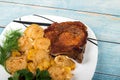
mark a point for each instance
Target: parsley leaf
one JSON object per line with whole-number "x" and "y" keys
{"x": 42, "y": 75}
{"x": 22, "y": 75}
{"x": 27, "y": 75}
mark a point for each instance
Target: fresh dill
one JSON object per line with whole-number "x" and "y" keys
{"x": 10, "y": 43}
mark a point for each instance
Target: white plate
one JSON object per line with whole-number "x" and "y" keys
{"x": 84, "y": 71}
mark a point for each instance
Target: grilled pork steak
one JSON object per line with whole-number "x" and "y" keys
{"x": 67, "y": 38}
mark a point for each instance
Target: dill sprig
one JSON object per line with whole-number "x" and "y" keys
{"x": 10, "y": 44}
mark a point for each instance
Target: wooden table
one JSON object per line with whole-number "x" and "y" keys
{"x": 103, "y": 17}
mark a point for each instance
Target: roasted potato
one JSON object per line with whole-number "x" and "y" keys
{"x": 16, "y": 63}
{"x": 34, "y": 31}
{"x": 64, "y": 61}
{"x": 31, "y": 67}
{"x": 15, "y": 53}
{"x": 25, "y": 43}
{"x": 41, "y": 43}
{"x": 60, "y": 73}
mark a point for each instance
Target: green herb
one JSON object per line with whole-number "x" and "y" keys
{"x": 26, "y": 75}
{"x": 42, "y": 75}
{"x": 10, "y": 44}
{"x": 22, "y": 75}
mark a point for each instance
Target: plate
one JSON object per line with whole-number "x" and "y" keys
{"x": 83, "y": 71}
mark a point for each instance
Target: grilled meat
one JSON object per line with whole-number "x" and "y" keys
{"x": 67, "y": 38}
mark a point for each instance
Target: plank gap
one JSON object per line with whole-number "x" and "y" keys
{"x": 60, "y": 8}
{"x": 107, "y": 74}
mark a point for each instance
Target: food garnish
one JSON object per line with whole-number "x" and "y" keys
{"x": 25, "y": 74}
{"x": 10, "y": 44}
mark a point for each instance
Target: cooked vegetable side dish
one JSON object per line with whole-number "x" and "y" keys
{"x": 30, "y": 54}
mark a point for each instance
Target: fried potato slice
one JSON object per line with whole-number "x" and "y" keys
{"x": 14, "y": 64}
{"x": 42, "y": 55}
{"x": 40, "y": 58}
{"x": 60, "y": 73}
{"x": 31, "y": 54}
{"x": 64, "y": 61}
{"x": 15, "y": 53}
{"x": 41, "y": 43}
{"x": 37, "y": 55}
{"x": 25, "y": 43}
{"x": 31, "y": 67}
{"x": 44, "y": 64}
{"x": 34, "y": 31}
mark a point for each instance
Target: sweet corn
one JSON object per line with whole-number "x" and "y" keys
{"x": 44, "y": 65}
{"x": 15, "y": 53}
{"x": 31, "y": 67}
{"x": 67, "y": 69}
{"x": 31, "y": 54}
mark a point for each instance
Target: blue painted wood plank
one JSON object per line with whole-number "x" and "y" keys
{"x": 106, "y": 6}
{"x": 105, "y": 77}
{"x": 108, "y": 58}
{"x": 105, "y": 27}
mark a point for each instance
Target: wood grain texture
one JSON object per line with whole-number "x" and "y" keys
{"x": 99, "y": 6}
{"x": 108, "y": 60}
{"x": 105, "y": 27}
{"x": 104, "y": 77}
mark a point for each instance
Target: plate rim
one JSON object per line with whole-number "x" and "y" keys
{"x": 63, "y": 21}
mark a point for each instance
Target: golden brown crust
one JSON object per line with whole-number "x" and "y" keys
{"x": 67, "y": 38}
